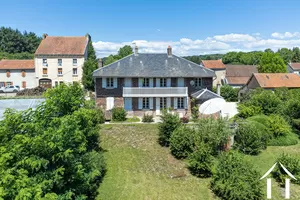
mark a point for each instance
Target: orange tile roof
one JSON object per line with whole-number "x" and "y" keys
{"x": 241, "y": 80}
{"x": 276, "y": 80}
{"x": 295, "y": 66}
{"x": 213, "y": 64}
{"x": 62, "y": 46}
{"x": 17, "y": 64}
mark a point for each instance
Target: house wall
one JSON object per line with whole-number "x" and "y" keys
{"x": 220, "y": 73}
{"x": 17, "y": 79}
{"x": 253, "y": 83}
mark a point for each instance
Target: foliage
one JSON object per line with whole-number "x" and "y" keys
{"x": 278, "y": 126}
{"x": 17, "y": 56}
{"x": 201, "y": 162}
{"x": 195, "y": 110}
{"x": 118, "y": 114}
{"x": 133, "y": 119}
{"x": 123, "y": 52}
{"x": 169, "y": 122}
{"x": 198, "y": 59}
{"x": 46, "y": 154}
{"x": 184, "y": 120}
{"x": 235, "y": 178}
{"x": 250, "y": 137}
{"x": 271, "y": 63}
{"x": 147, "y": 118}
{"x": 249, "y": 58}
{"x": 296, "y": 54}
{"x": 246, "y": 111}
{"x": 292, "y": 164}
{"x": 229, "y": 93}
{"x": 290, "y": 139}
{"x": 182, "y": 142}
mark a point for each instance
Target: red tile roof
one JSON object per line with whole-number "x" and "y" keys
{"x": 213, "y": 64}
{"x": 17, "y": 64}
{"x": 62, "y": 46}
{"x": 237, "y": 80}
{"x": 295, "y": 66}
{"x": 277, "y": 80}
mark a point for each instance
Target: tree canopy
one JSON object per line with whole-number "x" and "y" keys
{"x": 123, "y": 52}
{"x": 271, "y": 63}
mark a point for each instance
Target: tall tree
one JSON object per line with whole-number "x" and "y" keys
{"x": 286, "y": 54}
{"x": 271, "y": 63}
{"x": 123, "y": 52}
{"x": 296, "y": 54}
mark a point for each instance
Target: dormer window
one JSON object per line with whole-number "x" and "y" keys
{"x": 45, "y": 62}
{"x": 74, "y": 62}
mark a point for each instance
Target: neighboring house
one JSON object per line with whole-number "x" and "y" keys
{"x": 271, "y": 81}
{"x": 60, "y": 60}
{"x": 218, "y": 67}
{"x": 293, "y": 68}
{"x": 238, "y": 75}
{"x": 17, "y": 72}
{"x": 150, "y": 82}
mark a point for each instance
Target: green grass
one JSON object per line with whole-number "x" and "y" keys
{"x": 139, "y": 168}
{"x": 129, "y": 120}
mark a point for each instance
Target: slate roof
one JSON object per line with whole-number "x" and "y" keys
{"x": 17, "y": 64}
{"x": 295, "y": 66}
{"x": 204, "y": 95}
{"x": 277, "y": 80}
{"x": 239, "y": 74}
{"x": 53, "y": 45}
{"x": 213, "y": 64}
{"x": 153, "y": 65}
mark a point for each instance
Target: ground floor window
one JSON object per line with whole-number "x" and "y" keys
{"x": 2, "y": 84}
{"x": 145, "y": 104}
{"x": 9, "y": 83}
{"x": 163, "y": 103}
{"x": 23, "y": 84}
{"x": 180, "y": 103}
{"x": 61, "y": 82}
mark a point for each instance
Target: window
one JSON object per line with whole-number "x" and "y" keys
{"x": 56, "y": 83}
{"x": 163, "y": 82}
{"x": 8, "y": 83}
{"x": 59, "y": 71}
{"x": 146, "y": 82}
{"x": 163, "y": 103}
{"x": 61, "y": 82}
{"x": 145, "y": 103}
{"x": 75, "y": 62}
{"x": 44, "y": 62}
{"x": 7, "y": 73}
{"x": 109, "y": 82}
{"x": 59, "y": 62}
{"x": 198, "y": 82}
{"x": 23, "y": 73}
{"x": 11, "y": 86}
{"x": 180, "y": 103}
{"x": 2, "y": 84}
{"x": 74, "y": 71}
{"x": 45, "y": 71}
{"x": 23, "y": 84}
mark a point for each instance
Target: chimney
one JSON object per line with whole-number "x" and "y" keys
{"x": 45, "y": 35}
{"x": 136, "y": 50}
{"x": 100, "y": 63}
{"x": 218, "y": 89}
{"x": 169, "y": 50}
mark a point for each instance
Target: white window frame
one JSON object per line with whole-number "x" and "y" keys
{"x": 74, "y": 69}
{"x": 163, "y": 82}
{"x": 75, "y": 63}
{"x": 45, "y": 62}
{"x": 180, "y": 102}
{"x": 146, "y": 103}
{"x": 146, "y": 82}
{"x": 59, "y": 62}
{"x": 109, "y": 82}
{"x": 198, "y": 82}
{"x": 60, "y": 72}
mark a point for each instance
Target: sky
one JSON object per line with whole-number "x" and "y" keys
{"x": 191, "y": 27}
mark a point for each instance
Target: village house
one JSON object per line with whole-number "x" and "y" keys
{"x": 17, "y": 72}
{"x": 60, "y": 60}
{"x": 150, "y": 82}
{"x": 218, "y": 67}
{"x": 238, "y": 75}
{"x": 293, "y": 68}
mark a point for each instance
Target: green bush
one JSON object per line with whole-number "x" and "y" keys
{"x": 250, "y": 138}
{"x": 235, "y": 178}
{"x": 118, "y": 114}
{"x": 246, "y": 111}
{"x": 287, "y": 140}
{"x": 169, "y": 122}
{"x": 147, "y": 118}
{"x": 229, "y": 93}
{"x": 182, "y": 142}
{"x": 292, "y": 164}
{"x": 184, "y": 120}
{"x": 201, "y": 162}
{"x": 263, "y": 119}
{"x": 278, "y": 126}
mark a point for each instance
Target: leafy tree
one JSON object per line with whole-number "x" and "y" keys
{"x": 228, "y": 93}
{"x": 296, "y": 54}
{"x": 110, "y": 59}
{"x": 169, "y": 122}
{"x": 286, "y": 54}
{"x": 125, "y": 51}
{"x": 271, "y": 63}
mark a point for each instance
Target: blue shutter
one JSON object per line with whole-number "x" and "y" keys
{"x": 103, "y": 82}
{"x": 175, "y": 102}
{"x": 151, "y": 103}
{"x": 115, "y": 82}
{"x": 168, "y": 82}
{"x": 140, "y": 106}
{"x": 157, "y": 82}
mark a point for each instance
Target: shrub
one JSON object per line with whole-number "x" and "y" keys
{"x": 182, "y": 142}
{"x": 169, "y": 123}
{"x": 235, "y": 178}
{"x": 195, "y": 110}
{"x": 118, "y": 114}
{"x": 250, "y": 138}
{"x": 184, "y": 120}
{"x": 147, "y": 118}
{"x": 292, "y": 164}
{"x": 246, "y": 111}
{"x": 263, "y": 119}
{"x": 290, "y": 139}
{"x": 229, "y": 93}
{"x": 278, "y": 126}
{"x": 200, "y": 162}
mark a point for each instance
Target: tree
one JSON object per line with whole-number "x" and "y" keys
{"x": 286, "y": 54}
{"x": 123, "y": 52}
{"x": 296, "y": 54}
{"x": 110, "y": 59}
{"x": 271, "y": 63}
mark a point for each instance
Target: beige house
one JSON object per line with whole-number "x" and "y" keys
{"x": 218, "y": 67}
{"x": 60, "y": 60}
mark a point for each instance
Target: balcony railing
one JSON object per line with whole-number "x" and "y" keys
{"x": 155, "y": 91}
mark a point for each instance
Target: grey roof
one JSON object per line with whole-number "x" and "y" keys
{"x": 204, "y": 95}
{"x": 153, "y": 65}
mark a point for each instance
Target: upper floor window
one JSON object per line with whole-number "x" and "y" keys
{"x": 23, "y": 73}
{"x": 146, "y": 82}
{"x": 44, "y": 62}
{"x": 45, "y": 71}
{"x": 74, "y": 71}
{"x": 163, "y": 82}
{"x": 7, "y": 73}
{"x": 59, "y": 71}
{"x": 59, "y": 62}
{"x": 109, "y": 82}
{"x": 198, "y": 82}
{"x": 74, "y": 62}
{"x": 146, "y": 103}
{"x": 180, "y": 103}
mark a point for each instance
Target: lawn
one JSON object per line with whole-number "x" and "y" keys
{"x": 139, "y": 168}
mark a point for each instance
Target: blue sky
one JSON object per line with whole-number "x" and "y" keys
{"x": 191, "y": 27}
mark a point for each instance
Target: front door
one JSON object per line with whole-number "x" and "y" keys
{"x": 128, "y": 104}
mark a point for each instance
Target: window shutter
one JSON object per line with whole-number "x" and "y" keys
{"x": 157, "y": 82}
{"x": 140, "y": 103}
{"x": 185, "y": 103}
{"x": 151, "y": 103}
{"x": 140, "y": 82}
{"x": 168, "y": 82}
{"x": 103, "y": 82}
{"x": 151, "y": 82}
{"x": 157, "y": 103}
{"x": 115, "y": 82}
{"x": 175, "y": 102}
{"x": 180, "y": 82}
{"x": 168, "y": 102}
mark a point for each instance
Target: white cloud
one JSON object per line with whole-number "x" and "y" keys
{"x": 286, "y": 35}
{"x": 209, "y": 45}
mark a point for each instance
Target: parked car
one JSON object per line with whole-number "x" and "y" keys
{"x": 11, "y": 88}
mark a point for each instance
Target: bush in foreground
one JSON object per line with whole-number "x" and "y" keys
{"x": 118, "y": 114}
{"x": 235, "y": 178}
{"x": 169, "y": 123}
{"x": 182, "y": 142}
{"x": 147, "y": 118}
